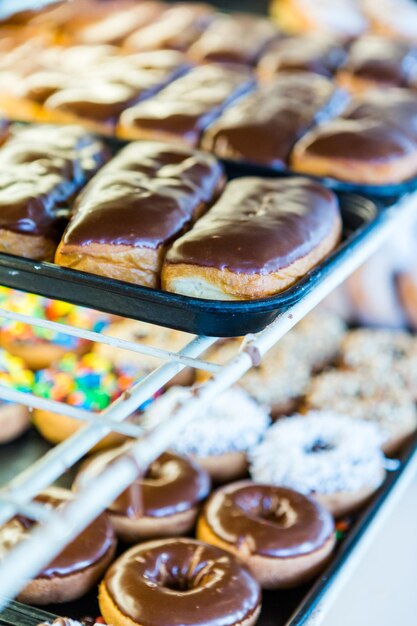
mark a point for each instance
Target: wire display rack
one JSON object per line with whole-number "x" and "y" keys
{"x": 59, "y": 527}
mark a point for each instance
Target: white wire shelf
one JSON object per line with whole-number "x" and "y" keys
{"x": 58, "y": 528}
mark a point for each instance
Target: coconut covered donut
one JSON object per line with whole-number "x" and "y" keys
{"x": 376, "y": 396}
{"x": 336, "y": 459}
{"x": 283, "y": 537}
{"x": 221, "y": 436}
{"x": 164, "y": 502}
{"x": 90, "y": 382}
{"x": 39, "y": 347}
{"x": 181, "y": 581}
{"x": 149, "y": 335}
{"x": 14, "y": 418}
{"x": 79, "y": 566}
{"x": 382, "y": 351}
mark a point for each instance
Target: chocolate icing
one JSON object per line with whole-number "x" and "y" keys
{"x": 237, "y": 38}
{"x": 263, "y": 127}
{"x": 91, "y": 545}
{"x": 260, "y": 225}
{"x": 172, "y": 484}
{"x": 182, "y": 581}
{"x": 321, "y": 54}
{"x": 273, "y": 521}
{"x": 188, "y": 105}
{"x": 146, "y": 196}
{"x": 41, "y": 168}
{"x": 361, "y": 140}
{"x": 381, "y": 60}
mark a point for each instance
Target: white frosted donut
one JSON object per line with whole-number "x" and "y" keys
{"x": 221, "y": 436}
{"x": 335, "y": 458}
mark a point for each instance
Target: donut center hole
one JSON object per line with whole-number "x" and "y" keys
{"x": 319, "y": 446}
{"x": 278, "y": 511}
{"x": 177, "y": 583}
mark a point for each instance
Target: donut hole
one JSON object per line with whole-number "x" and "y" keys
{"x": 273, "y": 509}
{"x": 319, "y": 446}
{"x": 183, "y": 579}
{"x": 162, "y": 472}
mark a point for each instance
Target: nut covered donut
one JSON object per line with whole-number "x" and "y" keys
{"x": 282, "y": 536}
{"x": 336, "y": 459}
{"x": 178, "y": 581}
{"x": 164, "y": 502}
{"x": 76, "y": 569}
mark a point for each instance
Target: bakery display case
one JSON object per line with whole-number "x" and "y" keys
{"x": 182, "y": 186}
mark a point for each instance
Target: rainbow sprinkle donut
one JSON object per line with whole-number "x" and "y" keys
{"x": 39, "y": 347}
{"x": 14, "y": 418}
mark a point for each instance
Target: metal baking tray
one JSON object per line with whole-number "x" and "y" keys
{"x": 291, "y": 607}
{"x": 202, "y": 317}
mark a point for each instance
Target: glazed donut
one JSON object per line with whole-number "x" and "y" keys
{"x": 336, "y": 459}
{"x": 220, "y": 438}
{"x": 376, "y": 396}
{"x": 278, "y": 382}
{"x": 14, "y": 418}
{"x": 165, "y": 502}
{"x": 40, "y": 347}
{"x": 283, "y": 537}
{"x": 89, "y": 382}
{"x": 178, "y": 580}
{"x": 382, "y": 351}
{"x": 71, "y": 574}
{"x": 149, "y": 335}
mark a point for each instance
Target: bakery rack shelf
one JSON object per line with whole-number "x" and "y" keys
{"x": 59, "y": 527}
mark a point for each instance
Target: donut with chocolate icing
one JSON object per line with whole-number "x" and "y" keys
{"x": 283, "y": 537}
{"x": 335, "y": 459}
{"x": 199, "y": 584}
{"x": 260, "y": 237}
{"x": 165, "y": 502}
{"x": 73, "y": 572}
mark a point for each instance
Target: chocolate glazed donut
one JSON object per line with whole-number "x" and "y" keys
{"x": 165, "y": 502}
{"x": 282, "y": 536}
{"x": 178, "y": 581}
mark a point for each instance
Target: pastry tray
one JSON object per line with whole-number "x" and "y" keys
{"x": 197, "y": 316}
{"x": 280, "y": 608}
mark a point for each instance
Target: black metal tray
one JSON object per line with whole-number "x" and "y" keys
{"x": 193, "y": 315}
{"x": 280, "y": 608}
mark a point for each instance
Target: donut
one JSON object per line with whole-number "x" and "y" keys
{"x": 164, "y": 502}
{"x": 395, "y": 19}
{"x": 283, "y": 537}
{"x": 149, "y": 335}
{"x": 377, "y": 396}
{"x": 40, "y": 347}
{"x": 319, "y": 336}
{"x": 222, "y": 435}
{"x": 14, "y": 418}
{"x": 89, "y": 382}
{"x": 76, "y": 569}
{"x": 334, "y": 458}
{"x": 178, "y": 580}
{"x": 278, "y": 382}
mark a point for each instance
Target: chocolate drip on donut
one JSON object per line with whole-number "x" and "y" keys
{"x": 268, "y": 521}
{"x": 260, "y": 226}
{"x": 181, "y": 581}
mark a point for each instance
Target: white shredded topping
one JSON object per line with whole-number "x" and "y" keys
{"x": 233, "y": 422}
{"x": 286, "y": 456}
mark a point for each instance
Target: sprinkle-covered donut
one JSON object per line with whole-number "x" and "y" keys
{"x": 181, "y": 581}
{"x": 14, "y": 418}
{"x": 373, "y": 395}
{"x": 282, "y": 536}
{"x": 89, "y": 382}
{"x": 73, "y": 572}
{"x": 334, "y": 458}
{"x": 39, "y": 347}
{"x": 165, "y": 502}
{"x": 382, "y": 351}
{"x": 222, "y": 434}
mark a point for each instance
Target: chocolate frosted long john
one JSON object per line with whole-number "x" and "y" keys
{"x": 263, "y": 127}
{"x": 260, "y": 237}
{"x": 135, "y": 207}
{"x": 41, "y": 168}
{"x": 182, "y": 111}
